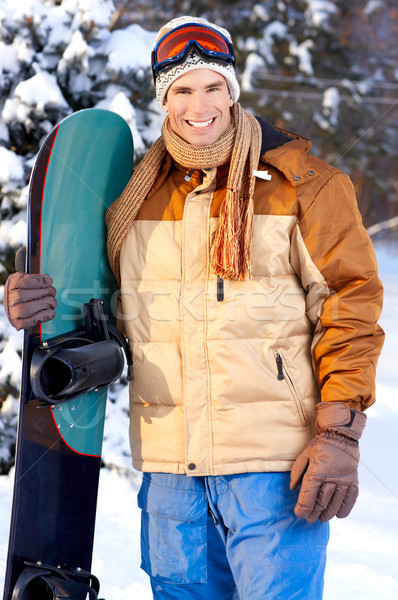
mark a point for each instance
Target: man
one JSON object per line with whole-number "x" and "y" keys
{"x": 249, "y": 294}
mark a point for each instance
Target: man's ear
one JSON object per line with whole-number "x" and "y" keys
{"x": 165, "y": 104}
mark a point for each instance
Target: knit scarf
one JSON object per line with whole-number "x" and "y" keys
{"x": 240, "y": 145}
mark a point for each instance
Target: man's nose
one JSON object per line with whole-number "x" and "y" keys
{"x": 198, "y": 103}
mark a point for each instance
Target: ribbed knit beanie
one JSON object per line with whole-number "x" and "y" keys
{"x": 193, "y": 61}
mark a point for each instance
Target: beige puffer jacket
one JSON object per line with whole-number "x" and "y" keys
{"x": 229, "y": 385}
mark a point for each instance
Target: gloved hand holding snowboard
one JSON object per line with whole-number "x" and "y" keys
{"x": 29, "y": 299}
{"x": 328, "y": 465}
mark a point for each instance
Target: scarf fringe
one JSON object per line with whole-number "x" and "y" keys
{"x": 247, "y": 237}
{"x": 225, "y": 259}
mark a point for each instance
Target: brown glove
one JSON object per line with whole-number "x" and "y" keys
{"x": 29, "y": 299}
{"x": 328, "y": 465}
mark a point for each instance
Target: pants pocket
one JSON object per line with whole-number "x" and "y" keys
{"x": 173, "y": 530}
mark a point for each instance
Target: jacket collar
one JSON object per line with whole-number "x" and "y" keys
{"x": 287, "y": 152}
{"x": 271, "y": 136}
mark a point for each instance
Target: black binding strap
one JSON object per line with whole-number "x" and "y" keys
{"x": 45, "y": 582}
{"x": 67, "y": 366}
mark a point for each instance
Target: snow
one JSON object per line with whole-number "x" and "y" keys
{"x": 275, "y": 30}
{"x": 329, "y": 117}
{"x": 363, "y": 549}
{"x": 77, "y": 50}
{"x": 38, "y": 93}
{"x": 330, "y": 105}
{"x": 318, "y": 11}
{"x": 8, "y": 58}
{"x": 260, "y": 12}
{"x": 40, "y": 90}
{"x": 88, "y": 12}
{"x": 254, "y": 63}
{"x": 11, "y": 166}
{"x": 56, "y": 24}
{"x": 9, "y": 358}
{"x": 372, "y": 6}
{"x": 118, "y": 102}
{"x": 303, "y": 54}
{"x": 119, "y": 46}
{"x": 17, "y": 234}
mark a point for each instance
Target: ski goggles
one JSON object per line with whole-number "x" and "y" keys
{"x": 173, "y": 48}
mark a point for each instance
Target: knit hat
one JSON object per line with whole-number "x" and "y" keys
{"x": 193, "y": 61}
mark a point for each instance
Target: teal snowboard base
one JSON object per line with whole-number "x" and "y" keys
{"x": 83, "y": 165}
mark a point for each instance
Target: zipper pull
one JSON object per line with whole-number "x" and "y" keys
{"x": 280, "y": 366}
{"x": 213, "y": 516}
{"x": 188, "y": 177}
{"x": 220, "y": 289}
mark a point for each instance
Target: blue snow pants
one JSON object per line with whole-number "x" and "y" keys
{"x": 232, "y": 537}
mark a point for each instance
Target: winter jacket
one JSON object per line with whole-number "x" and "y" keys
{"x": 227, "y": 373}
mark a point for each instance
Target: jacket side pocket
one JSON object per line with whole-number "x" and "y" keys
{"x": 284, "y": 376}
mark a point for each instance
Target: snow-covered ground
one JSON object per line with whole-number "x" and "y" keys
{"x": 363, "y": 551}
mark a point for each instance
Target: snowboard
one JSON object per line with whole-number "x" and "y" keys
{"x": 83, "y": 165}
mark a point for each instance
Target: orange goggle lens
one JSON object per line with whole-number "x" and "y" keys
{"x": 175, "y": 42}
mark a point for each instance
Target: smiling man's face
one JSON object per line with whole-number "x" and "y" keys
{"x": 199, "y": 105}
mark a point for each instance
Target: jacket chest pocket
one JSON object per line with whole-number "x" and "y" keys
{"x": 284, "y": 377}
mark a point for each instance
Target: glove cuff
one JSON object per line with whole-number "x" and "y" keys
{"x": 338, "y": 417}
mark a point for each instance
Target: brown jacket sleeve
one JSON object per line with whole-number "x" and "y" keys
{"x": 335, "y": 259}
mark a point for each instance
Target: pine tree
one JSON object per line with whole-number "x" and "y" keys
{"x": 57, "y": 57}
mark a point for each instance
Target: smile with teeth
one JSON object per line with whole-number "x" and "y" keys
{"x": 200, "y": 124}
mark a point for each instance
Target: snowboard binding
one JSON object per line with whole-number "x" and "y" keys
{"x": 80, "y": 361}
{"x": 45, "y": 582}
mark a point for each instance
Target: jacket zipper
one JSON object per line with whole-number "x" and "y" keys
{"x": 279, "y": 364}
{"x": 281, "y": 376}
{"x": 213, "y": 516}
{"x": 220, "y": 289}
